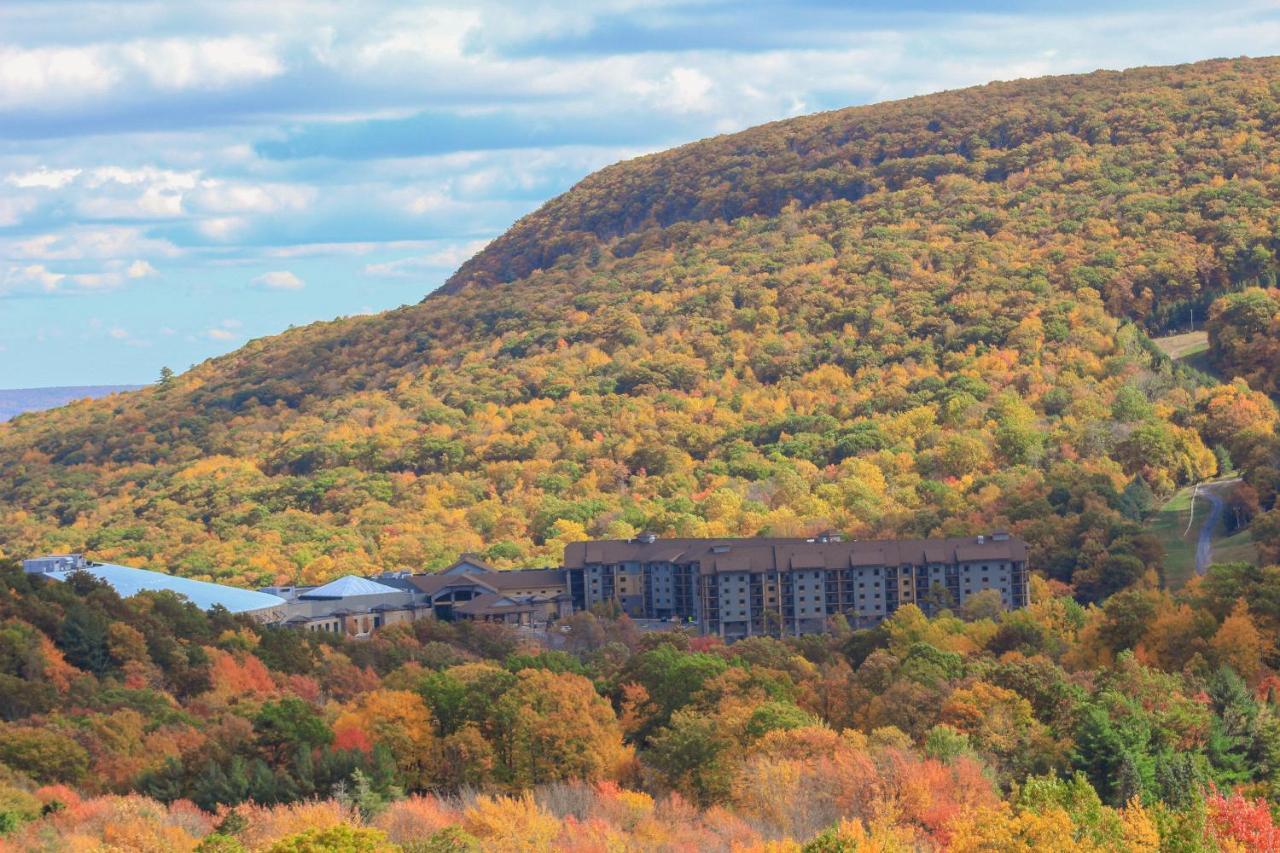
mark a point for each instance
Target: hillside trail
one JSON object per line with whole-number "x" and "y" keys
{"x": 1217, "y": 506}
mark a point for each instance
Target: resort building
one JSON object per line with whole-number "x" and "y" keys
{"x": 732, "y": 588}
{"x": 352, "y": 606}
{"x": 742, "y": 587}
{"x": 469, "y": 589}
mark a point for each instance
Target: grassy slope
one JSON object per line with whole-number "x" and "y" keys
{"x": 1170, "y": 521}
{"x": 1189, "y": 348}
{"x": 1169, "y": 524}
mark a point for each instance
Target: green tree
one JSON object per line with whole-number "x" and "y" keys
{"x": 285, "y": 726}
{"x": 693, "y": 754}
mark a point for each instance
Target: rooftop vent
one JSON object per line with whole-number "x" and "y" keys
{"x": 1000, "y": 536}
{"x": 831, "y": 536}
{"x": 719, "y": 549}
{"x": 982, "y": 540}
{"x": 647, "y": 538}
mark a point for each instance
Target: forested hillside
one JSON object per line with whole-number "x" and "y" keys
{"x": 927, "y": 316}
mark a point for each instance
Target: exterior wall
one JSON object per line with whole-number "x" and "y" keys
{"x": 399, "y": 617}
{"x": 323, "y": 624}
{"x": 548, "y": 590}
{"x": 791, "y": 601}
{"x": 311, "y": 607}
{"x": 356, "y": 624}
{"x": 54, "y": 563}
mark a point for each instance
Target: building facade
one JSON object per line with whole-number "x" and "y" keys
{"x": 743, "y": 587}
{"x": 468, "y": 590}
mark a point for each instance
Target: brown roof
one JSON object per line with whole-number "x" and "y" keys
{"x": 526, "y": 578}
{"x": 466, "y": 560}
{"x": 493, "y": 602}
{"x": 767, "y": 555}
{"x": 431, "y": 584}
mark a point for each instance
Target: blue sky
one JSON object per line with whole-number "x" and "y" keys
{"x": 177, "y": 178}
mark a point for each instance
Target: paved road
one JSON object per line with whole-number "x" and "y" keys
{"x": 1204, "y": 547}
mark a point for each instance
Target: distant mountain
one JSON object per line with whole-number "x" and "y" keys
{"x": 924, "y": 317}
{"x": 15, "y": 401}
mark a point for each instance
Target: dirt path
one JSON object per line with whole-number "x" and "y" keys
{"x": 1204, "y": 546}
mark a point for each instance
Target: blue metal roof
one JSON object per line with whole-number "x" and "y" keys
{"x": 348, "y": 587}
{"x": 129, "y": 581}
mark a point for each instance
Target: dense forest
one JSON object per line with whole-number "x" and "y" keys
{"x": 924, "y": 317}
{"x": 1149, "y": 722}
{"x": 1244, "y": 337}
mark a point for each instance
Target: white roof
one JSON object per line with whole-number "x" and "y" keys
{"x": 348, "y": 587}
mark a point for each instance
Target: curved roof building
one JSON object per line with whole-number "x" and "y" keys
{"x": 130, "y": 581}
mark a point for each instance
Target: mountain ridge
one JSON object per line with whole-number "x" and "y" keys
{"x": 840, "y": 183}
{"x": 17, "y": 401}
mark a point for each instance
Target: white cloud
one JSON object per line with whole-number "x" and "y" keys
{"x": 79, "y": 243}
{"x": 118, "y": 334}
{"x": 29, "y": 278}
{"x": 280, "y": 280}
{"x": 225, "y": 331}
{"x": 223, "y": 227}
{"x": 32, "y": 77}
{"x": 152, "y": 203}
{"x": 66, "y": 75}
{"x": 446, "y": 259}
{"x": 97, "y": 280}
{"x": 152, "y": 193}
{"x": 427, "y": 34}
{"x": 216, "y": 196}
{"x": 14, "y": 209}
{"x": 427, "y": 202}
{"x": 302, "y": 250}
{"x": 140, "y": 269}
{"x": 150, "y": 176}
{"x": 178, "y": 64}
{"x": 50, "y": 179}
{"x": 687, "y": 90}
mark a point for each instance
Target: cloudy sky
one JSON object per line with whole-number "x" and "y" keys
{"x": 179, "y": 177}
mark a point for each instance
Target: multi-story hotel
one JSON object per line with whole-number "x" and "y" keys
{"x": 743, "y": 587}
